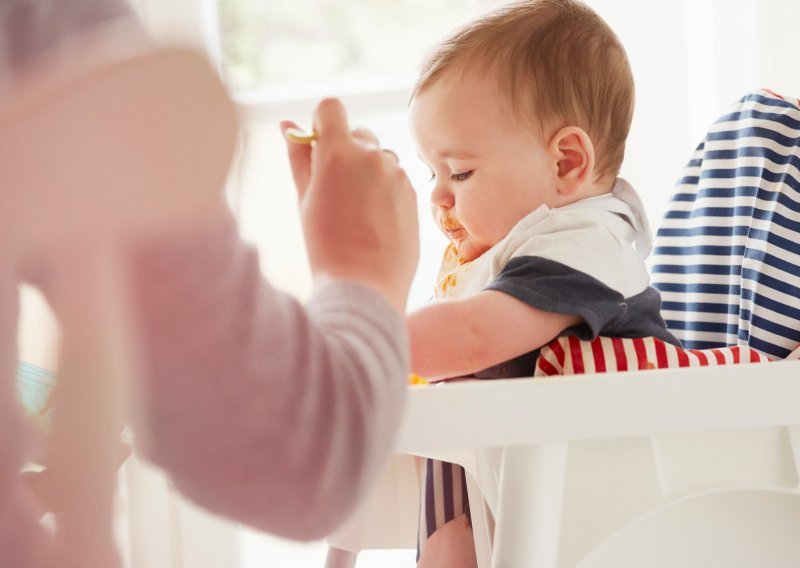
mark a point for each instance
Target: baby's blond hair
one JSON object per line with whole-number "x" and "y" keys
{"x": 558, "y": 63}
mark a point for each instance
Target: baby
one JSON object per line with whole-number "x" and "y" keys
{"x": 522, "y": 118}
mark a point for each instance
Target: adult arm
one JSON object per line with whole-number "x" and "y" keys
{"x": 261, "y": 409}
{"x": 272, "y": 413}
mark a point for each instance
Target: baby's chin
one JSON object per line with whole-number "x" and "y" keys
{"x": 467, "y": 252}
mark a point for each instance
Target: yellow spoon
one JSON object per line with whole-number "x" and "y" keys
{"x": 298, "y": 136}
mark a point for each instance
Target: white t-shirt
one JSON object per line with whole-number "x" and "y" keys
{"x": 584, "y": 259}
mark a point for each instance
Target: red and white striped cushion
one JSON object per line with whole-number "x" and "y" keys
{"x": 569, "y": 355}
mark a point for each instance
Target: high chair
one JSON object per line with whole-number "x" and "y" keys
{"x": 658, "y": 467}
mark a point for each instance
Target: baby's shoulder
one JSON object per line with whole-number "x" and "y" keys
{"x": 586, "y": 243}
{"x": 560, "y": 231}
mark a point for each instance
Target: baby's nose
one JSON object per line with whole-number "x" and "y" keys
{"x": 441, "y": 196}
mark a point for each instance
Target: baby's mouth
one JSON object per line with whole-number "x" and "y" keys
{"x": 456, "y": 233}
{"x": 450, "y": 227}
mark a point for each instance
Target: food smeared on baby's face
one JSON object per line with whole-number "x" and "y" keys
{"x": 456, "y": 233}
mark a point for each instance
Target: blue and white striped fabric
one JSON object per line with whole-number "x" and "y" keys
{"x": 727, "y": 255}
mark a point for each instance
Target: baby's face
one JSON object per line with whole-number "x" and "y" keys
{"x": 489, "y": 168}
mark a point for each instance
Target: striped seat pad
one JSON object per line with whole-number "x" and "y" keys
{"x": 569, "y": 355}
{"x": 727, "y": 254}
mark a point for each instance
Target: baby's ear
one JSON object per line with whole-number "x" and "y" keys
{"x": 574, "y": 154}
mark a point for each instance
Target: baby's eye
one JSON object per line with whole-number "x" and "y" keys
{"x": 461, "y": 176}
{"x": 433, "y": 176}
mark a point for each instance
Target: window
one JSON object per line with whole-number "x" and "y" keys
{"x": 284, "y": 46}
{"x": 280, "y": 58}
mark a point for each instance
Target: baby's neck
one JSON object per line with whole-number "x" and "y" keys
{"x": 597, "y": 188}
{"x": 600, "y": 187}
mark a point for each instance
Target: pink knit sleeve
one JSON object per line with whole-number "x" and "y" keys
{"x": 273, "y": 413}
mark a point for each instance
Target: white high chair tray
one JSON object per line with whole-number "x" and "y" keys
{"x": 508, "y": 412}
{"x": 512, "y": 437}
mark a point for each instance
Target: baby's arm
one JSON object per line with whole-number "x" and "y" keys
{"x": 453, "y": 338}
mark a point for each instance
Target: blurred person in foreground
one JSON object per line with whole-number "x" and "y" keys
{"x": 272, "y": 413}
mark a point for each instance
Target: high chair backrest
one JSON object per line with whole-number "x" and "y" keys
{"x": 727, "y": 256}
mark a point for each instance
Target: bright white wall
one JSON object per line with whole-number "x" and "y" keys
{"x": 691, "y": 59}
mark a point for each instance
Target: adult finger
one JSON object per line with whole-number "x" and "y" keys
{"x": 368, "y": 139}
{"x": 330, "y": 121}
{"x": 392, "y": 154}
{"x": 366, "y": 136}
{"x": 299, "y": 160}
